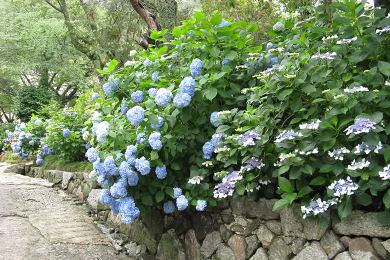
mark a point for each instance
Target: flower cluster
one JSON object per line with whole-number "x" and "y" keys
{"x": 287, "y": 135}
{"x": 338, "y": 154}
{"x": 343, "y": 187}
{"x": 361, "y": 125}
{"x": 227, "y": 186}
{"x": 358, "y": 165}
{"x": 355, "y": 90}
{"x": 248, "y": 138}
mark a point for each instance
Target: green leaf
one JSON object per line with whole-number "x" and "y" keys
{"x": 318, "y": 181}
{"x": 240, "y": 189}
{"x": 147, "y": 200}
{"x": 386, "y": 199}
{"x": 304, "y": 191}
{"x": 216, "y": 19}
{"x": 160, "y": 196}
{"x": 384, "y": 67}
{"x": 285, "y": 185}
{"x": 210, "y": 93}
{"x": 384, "y": 217}
{"x": 345, "y": 208}
{"x": 232, "y": 55}
{"x": 364, "y": 199}
{"x": 280, "y": 204}
{"x": 284, "y": 94}
{"x": 154, "y": 155}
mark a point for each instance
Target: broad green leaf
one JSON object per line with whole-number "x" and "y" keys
{"x": 285, "y": 185}
{"x": 384, "y": 67}
{"x": 210, "y": 93}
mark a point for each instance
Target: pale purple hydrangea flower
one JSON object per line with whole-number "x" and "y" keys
{"x": 343, "y": 187}
{"x": 358, "y": 165}
{"x": 385, "y": 173}
{"x": 227, "y": 186}
{"x": 249, "y": 138}
{"x": 287, "y": 135}
{"x": 361, "y": 125}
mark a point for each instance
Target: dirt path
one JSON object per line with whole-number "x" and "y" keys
{"x": 39, "y": 222}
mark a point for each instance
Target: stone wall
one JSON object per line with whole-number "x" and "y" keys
{"x": 241, "y": 229}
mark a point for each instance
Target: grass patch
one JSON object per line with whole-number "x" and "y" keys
{"x": 10, "y": 157}
{"x": 53, "y": 162}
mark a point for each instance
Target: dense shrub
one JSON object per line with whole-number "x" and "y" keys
{"x": 30, "y": 100}
{"x": 153, "y": 118}
{"x": 317, "y": 124}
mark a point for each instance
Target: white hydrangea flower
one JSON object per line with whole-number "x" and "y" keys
{"x": 358, "y": 165}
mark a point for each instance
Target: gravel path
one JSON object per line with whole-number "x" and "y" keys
{"x": 39, "y": 222}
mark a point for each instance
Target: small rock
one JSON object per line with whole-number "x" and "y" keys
{"x": 265, "y": 236}
{"x": 331, "y": 244}
{"x": 279, "y": 249}
{"x": 210, "y": 243}
{"x": 203, "y": 224}
{"x": 225, "y": 233}
{"x": 259, "y": 255}
{"x": 252, "y": 244}
{"x": 297, "y": 245}
{"x": 170, "y": 247}
{"x": 224, "y": 253}
{"x": 238, "y": 245}
{"x": 380, "y": 249}
{"x": 360, "y": 248}
{"x": 141, "y": 235}
{"x": 66, "y": 177}
{"x": 135, "y": 250}
{"x": 227, "y": 216}
{"x": 261, "y": 209}
{"x": 386, "y": 245}
{"x": 291, "y": 222}
{"x": 274, "y": 226}
{"x": 313, "y": 230}
{"x": 362, "y": 224}
{"x": 343, "y": 256}
{"x": 93, "y": 200}
{"x": 345, "y": 241}
{"x": 313, "y": 251}
{"x": 54, "y": 176}
{"x": 191, "y": 245}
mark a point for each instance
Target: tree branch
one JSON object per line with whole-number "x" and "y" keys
{"x": 52, "y": 5}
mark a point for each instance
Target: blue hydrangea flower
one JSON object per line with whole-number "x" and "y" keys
{"x": 95, "y": 96}
{"x": 169, "y": 207}
{"x": 124, "y": 109}
{"x": 187, "y": 85}
{"x": 159, "y": 124}
{"x": 141, "y": 138}
{"x": 124, "y": 169}
{"x": 152, "y": 92}
{"x": 118, "y": 190}
{"x": 155, "y": 141}
{"x": 132, "y": 178}
{"x": 142, "y": 165}
{"x": 163, "y": 97}
{"x": 105, "y": 197}
{"x": 135, "y": 115}
{"x": 161, "y": 172}
{"x": 137, "y": 96}
{"x": 278, "y": 27}
{"x": 273, "y": 61}
{"x": 147, "y": 63}
{"x": 110, "y": 86}
{"x": 31, "y": 142}
{"x": 102, "y": 130}
{"x": 196, "y": 67}
{"x": 224, "y": 23}
{"x": 92, "y": 155}
{"x": 270, "y": 46}
{"x": 128, "y": 210}
{"x": 103, "y": 181}
{"x": 65, "y": 132}
{"x": 181, "y": 203}
{"x": 201, "y": 205}
{"x": 225, "y": 62}
{"x": 177, "y": 192}
{"x": 182, "y": 100}
{"x": 208, "y": 150}
{"x": 110, "y": 166}
{"x": 130, "y": 154}
{"x": 119, "y": 155}
{"x": 214, "y": 119}
{"x": 99, "y": 168}
{"x": 155, "y": 76}
{"x": 39, "y": 161}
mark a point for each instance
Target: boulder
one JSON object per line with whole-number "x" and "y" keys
{"x": 377, "y": 244}
{"x": 313, "y": 251}
{"x": 291, "y": 221}
{"x": 261, "y": 209}
{"x": 93, "y": 201}
{"x": 361, "y": 249}
{"x": 386, "y": 245}
{"x": 238, "y": 245}
{"x": 343, "y": 256}
{"x": 252, "y": 244}
{"x": 66, "y": 177}
{"x": 223, "y": 253}
{"x": 134, "y": 250}
{"x": 274, "y": 226}
{"x": 265, "y": 236}
{"x": 279, "y": 249}
{"x": 210, "y": 244}
{"x": 141, "y": 235}
{"x": 225, "y": 233}
{"x": 330, "y": 243}
{"x": 203, "y": 224}
{"x": 259, "y": 255}
{"x": 170, "y": 247}
{"x": 313, "y": 230}
{"x": 243, "y": 226}
{"x": 362, "y": 224}
{"x": 54, "y": 176}
{"x": 191, "y": 246}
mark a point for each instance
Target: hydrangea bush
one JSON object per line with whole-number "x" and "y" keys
{"x": 316, "y": 128}
{"x": 152, "y": 119}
